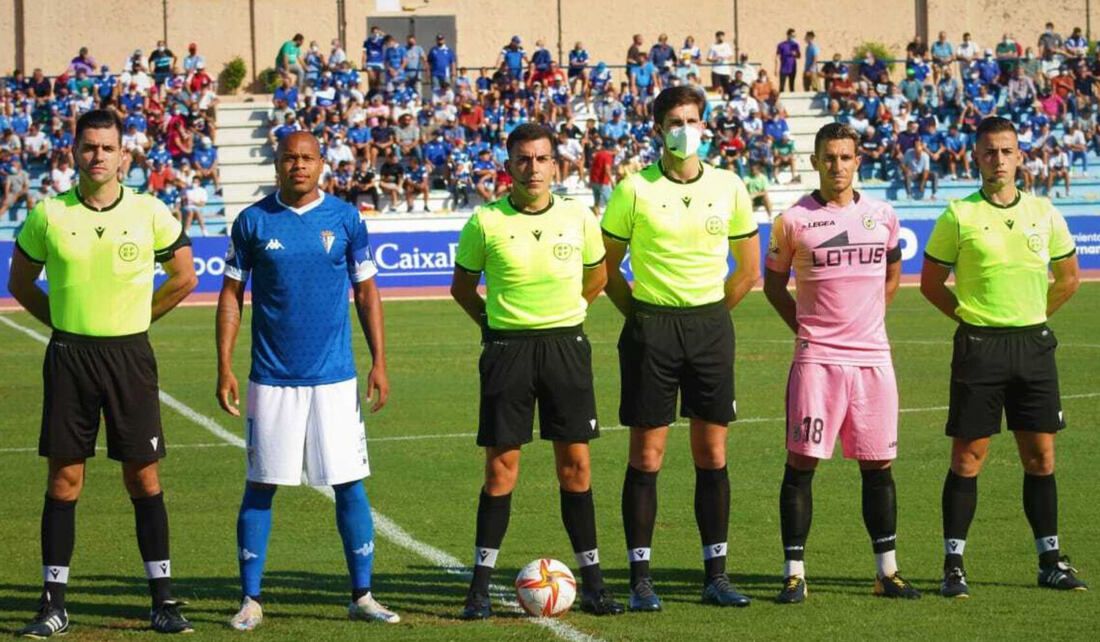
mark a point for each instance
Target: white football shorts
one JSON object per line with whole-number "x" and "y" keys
{"x": 315, "y": 430}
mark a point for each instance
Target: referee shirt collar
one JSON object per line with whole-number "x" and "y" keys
{"x": 80, "y": 197}
{"x": 525, "y": 212}
{"x": 661, "y": 167}
{"x": 998, "y": 205}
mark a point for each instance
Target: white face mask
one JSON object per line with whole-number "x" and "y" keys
{"x": 683, "y": 141}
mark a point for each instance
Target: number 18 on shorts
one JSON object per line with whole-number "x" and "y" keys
{"x": 857, "y": 403}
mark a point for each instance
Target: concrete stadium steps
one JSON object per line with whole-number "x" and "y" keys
{"x": 245, "y": 158}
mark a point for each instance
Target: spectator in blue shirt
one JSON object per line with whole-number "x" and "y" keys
{"x": 957, "y": 145}
{"x": 614, "y": 128}
{"x": 943, "y": 54}
{"x": 393, "y": 54}
{"x": 871, "y": 68}
{"x": 415, "y": 59}
{"x": 663, "y": 57}
{"x": 984, "y": 103}
{"x": 372, "y": 60}
{"x": 512, "y": 57}
{"x": 442, "y": 62}
{"x": 644, "y": 82}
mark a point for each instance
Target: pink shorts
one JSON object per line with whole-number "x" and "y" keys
{"x": 858, "y": 403}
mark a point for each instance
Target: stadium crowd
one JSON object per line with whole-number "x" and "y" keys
{"x": 407, "y": 119}
{"x": 167, "y": 107}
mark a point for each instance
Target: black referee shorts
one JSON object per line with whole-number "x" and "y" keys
{"x": 550, "y": 367}
{"x": 663, "y": 351}
{"x": 84, "y": 376}
{"x": 1009, "y": 371}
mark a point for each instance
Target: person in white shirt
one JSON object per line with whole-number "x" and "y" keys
{"x": 1035, "y": 172}
{"x": 720, "y": 55}
{"x": 1057, "y": 167}
{"x": 36, "y": 144}
{"x": 1073, "y": 141}
{"x": 62, "y": 176}
{"x": 967, "y": 51}
{"x": 337, "y": 56}
{"x": 339, "y": 151}
{"x": 194, "y": 199}
{"x": 742, "y": 104}
{"x": 570, "y": 157}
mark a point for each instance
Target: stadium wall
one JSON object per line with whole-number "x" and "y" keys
{"x": 54, "y": 29}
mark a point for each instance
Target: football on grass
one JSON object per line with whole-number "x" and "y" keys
{"x": 546, "y": 588}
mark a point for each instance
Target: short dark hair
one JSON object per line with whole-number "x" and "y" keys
{"x": 528, "y": 132}
{"x": 98, "y": 119}
{"x": 673, "y": 97}
{"x": 298, "y": 36}
{"x": 835, "y": 131}
{"x": 994, "y": 125}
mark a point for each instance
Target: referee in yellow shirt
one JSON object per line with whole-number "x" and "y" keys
{"x": 681, "y": 220}
{"x": 1001, "y": 244}
{"x": 543, "y": 264}
{"x": 99, "y": 243}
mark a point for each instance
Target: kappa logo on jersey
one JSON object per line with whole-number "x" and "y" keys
{"x": 839, "y": 250}
{"x": 327, "y": 237}
{"x": 274, "y": 244}
{"x": 247, "y": 555}
{"x": 365, "y": 550}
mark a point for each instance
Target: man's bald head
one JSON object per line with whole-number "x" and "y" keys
{"x": 296, "y": 140}
{"x": 298, "y": 166}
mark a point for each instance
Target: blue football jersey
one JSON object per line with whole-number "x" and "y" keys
{"x": 302, "y": 262}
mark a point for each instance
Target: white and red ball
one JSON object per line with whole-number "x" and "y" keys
{"x": 546, "y": 588}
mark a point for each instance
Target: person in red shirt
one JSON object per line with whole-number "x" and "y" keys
{"x": 600, "y": 175}
{"x": 200, "y": 80}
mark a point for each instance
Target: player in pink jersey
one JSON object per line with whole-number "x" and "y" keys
{"x": 844, "y": 250}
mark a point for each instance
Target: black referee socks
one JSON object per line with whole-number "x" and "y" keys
{"x": 578, "y": 514}
{"x": 712, "y": 514}
{"x": 639, "y": 506}
{"x": 1041, "y": 508}
{"x": 796, "y": 511}
{"x": 151, "y": 521}
{"x": 492, "y": 524}
{"x": 880, "y": 509}
{"x": 58, "y": 536}
{"x": 960, "y": 501}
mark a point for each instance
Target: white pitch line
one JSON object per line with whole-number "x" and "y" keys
{"x": 385, "y": 526}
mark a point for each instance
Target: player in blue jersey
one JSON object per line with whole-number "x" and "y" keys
{"x": 303, "y": 249}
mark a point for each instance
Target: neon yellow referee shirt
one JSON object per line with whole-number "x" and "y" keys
{"x": 533, "y": 262}
{"x": 1000, "y": 254}
{"x": 99, "y": 263}
{"x": 679, "y": 232}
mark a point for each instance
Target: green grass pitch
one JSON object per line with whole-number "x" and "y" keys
{"x": 429, "y": 485}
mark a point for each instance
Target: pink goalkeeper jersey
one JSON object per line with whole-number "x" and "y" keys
{"x": 839, "y": 256}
